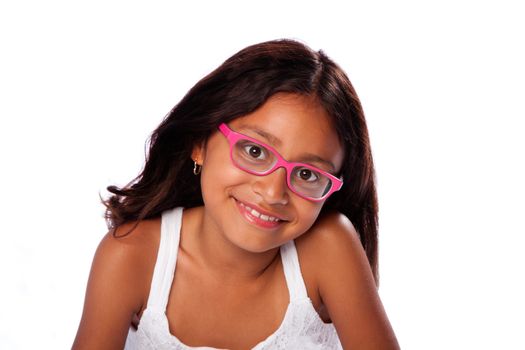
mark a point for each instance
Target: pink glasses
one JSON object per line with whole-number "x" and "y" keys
{"x": 257, "y": 158}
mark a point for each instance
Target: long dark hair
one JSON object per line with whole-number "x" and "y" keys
{"x": 236, "y": 88}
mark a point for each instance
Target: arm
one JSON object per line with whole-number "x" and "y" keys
{"x": 347, "y": 288}
{"x": 112, "y": 297}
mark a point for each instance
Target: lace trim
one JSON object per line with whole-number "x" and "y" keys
{"x": 301, "y": 328}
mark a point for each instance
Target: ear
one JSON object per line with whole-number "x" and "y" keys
{"x": 199, "y": 152}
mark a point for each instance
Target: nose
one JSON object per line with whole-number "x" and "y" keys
{"x": 272, "y": 188}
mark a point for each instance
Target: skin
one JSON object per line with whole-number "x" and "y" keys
{"x": 229, "y": 278}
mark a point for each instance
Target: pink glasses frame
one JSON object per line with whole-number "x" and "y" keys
{"x": 233, "y": 137}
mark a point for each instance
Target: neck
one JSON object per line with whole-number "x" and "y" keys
{"x": 222, "y": 258}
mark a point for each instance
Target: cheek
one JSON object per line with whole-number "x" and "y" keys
{"x": 217, "y": 176}
{"x": 308, "y": 214}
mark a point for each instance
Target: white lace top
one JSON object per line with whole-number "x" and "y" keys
{"x": 301, "y": 328}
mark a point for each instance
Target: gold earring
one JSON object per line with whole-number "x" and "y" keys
{"x": 196, "y": 168}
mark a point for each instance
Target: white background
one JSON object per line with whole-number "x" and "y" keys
{"x": 82, "y": 85}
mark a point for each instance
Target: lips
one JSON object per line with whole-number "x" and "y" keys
{"x": 258, "y": 217}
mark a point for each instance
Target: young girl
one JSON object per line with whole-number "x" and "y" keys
{"x": 253, "y": 224}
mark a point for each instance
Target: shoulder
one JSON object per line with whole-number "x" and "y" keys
{"x": 128, "y": 254}
{"x": 130, "y": 243}
{"x": 118, "y": 284}
{"x": 333, "y": 243}
{"x": 330, "y": 228}
{"x": 332, "y": 248}
{"x": 345, "y": 283}
{"x": 323, "y": 240}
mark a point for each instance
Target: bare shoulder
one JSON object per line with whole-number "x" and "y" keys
{"x": 131, "y": 245}
{"x": 329, "y": 231}
{"x": 118, "y": 284}
{"x": 333, "y": 253}
{"x": 330, "y": 241}
{"x": 129, "y": 253}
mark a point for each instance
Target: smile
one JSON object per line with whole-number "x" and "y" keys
{"x": 257, "y": 214}
{"x": 255, "y": 217}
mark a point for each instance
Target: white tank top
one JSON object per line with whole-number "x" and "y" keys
{"x": 301, "y": 328}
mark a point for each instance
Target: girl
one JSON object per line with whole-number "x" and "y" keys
{"x": 253, "y": 224}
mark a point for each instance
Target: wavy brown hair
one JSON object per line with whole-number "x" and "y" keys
{"x": 236, "y": 88}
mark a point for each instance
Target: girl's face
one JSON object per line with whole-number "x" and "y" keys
{"x": 258, "y": 213}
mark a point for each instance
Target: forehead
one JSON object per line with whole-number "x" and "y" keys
{"x": 295, "y": 125}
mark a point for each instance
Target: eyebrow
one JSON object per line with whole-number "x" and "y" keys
{"x": 269, "y": 137}
{"x": 307, "y": 158}
{"x": 312, "y": 158}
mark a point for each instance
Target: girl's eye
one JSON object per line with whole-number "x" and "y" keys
{"x": 255, "y": 151}
{"x": 307, "y": 175}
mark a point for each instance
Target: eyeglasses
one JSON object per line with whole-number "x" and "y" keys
{"x": 257, "y": 158}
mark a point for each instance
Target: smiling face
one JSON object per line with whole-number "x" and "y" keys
{"x": 258, "y": 213}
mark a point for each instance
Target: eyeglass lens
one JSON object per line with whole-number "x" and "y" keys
{"x": 255, "y": 158}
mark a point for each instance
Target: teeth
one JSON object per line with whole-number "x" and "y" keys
{"x": 259, "y": 215}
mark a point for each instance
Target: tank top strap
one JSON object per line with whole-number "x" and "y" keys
{"x": 292, "y": 271}
{"x": 166, "y": 259}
